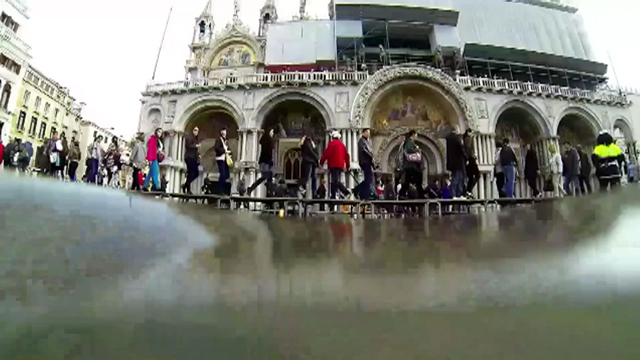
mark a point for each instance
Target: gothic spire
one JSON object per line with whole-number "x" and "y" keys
{"x": 303, "y": 9}
{"x": 208, "y": 10}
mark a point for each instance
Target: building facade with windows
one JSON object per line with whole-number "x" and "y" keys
{"x": 14, "y": 57}
{"x": 523, "y": 70}
{"x": 42, "y": 107}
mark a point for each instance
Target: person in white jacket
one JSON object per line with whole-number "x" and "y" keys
{"x": 555, "y": 168}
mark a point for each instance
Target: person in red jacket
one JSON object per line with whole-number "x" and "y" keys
{"x": 337, "y": 159}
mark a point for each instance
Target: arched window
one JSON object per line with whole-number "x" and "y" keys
{"x": 292, "y": 164}
{"x": 6, "y": 94}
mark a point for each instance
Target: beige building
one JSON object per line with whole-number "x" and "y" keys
{"x": 44, "y": 106}
{"x": 14, "y": 57}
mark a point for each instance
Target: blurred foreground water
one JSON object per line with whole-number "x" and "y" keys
{"x": 92, "y": 273}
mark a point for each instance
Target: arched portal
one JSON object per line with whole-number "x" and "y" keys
{"x": 520, "y": 126}
{"x": 210, "y": 121}
{"x": 623, "y": 134}
{"x": 578, "y": 130}
{"x": 292, "y": 119}
{"x": 432, "y": 153}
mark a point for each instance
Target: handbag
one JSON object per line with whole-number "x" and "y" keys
{"x": 548, "y": 185}
{"x": 228, "y": 160}
{"x": 160, "y": 156}
{"x": 415, "y": 157}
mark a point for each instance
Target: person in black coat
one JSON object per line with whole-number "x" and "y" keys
{"x": 191, "y": 158}
{"x": 456, "y": 162}
{"x": 585, "y": 171}
{"x": 222, "y": 150}
{"x": 532, "y": 170}
{"x": 471, "y": 169}
{"x": 310, "y": 162}
{"x": 265, "y": 161}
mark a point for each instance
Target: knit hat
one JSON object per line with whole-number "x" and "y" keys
{"x": 335, "y": 134}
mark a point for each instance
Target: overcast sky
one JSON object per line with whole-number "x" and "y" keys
{"x": 105, "y": 50}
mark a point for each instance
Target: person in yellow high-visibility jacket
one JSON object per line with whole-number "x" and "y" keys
{"x": 607, "y": 158}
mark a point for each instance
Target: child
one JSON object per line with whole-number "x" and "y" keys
{"x": 446, "y": 190}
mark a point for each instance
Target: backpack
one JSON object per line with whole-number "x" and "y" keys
{"x": 24, "y": 153}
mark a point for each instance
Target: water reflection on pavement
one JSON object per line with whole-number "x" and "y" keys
{"x": 136, "y": 278}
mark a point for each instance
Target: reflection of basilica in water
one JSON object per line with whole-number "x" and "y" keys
{"x": 303, "y": 77}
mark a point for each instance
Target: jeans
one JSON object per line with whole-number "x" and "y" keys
{"x": 266, "y": 174}
{"x": 193, "y": 171}
{"x": 365, "y": 190}
{"x": 509, "y": 180}
{"x": 572, "y": 185}
{"x": 73, "y": 166}
{"x": 457, "y": 183}
{"x": 92, "y": 171}
{"x": 223, "y": 171}
{"x": 308, "y": 172}
{"x": 153, "y": 175}
{"x": 585, "y": 184}
{"x": 135, "y": 184}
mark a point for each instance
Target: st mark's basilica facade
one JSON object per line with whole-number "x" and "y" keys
{"x": 229, "y": 84}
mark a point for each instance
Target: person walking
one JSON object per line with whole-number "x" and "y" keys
{"x": 556, "y": 168}
{"x": 571, "y": 170}
{"x": 498, "y": 174}
{"x": 265, "y": 161}
{"x": 224, "y": 162}
{"x": 472, "y": 170}
{"x": 365, "y": 159}
{"x": 509, "y": 163}
{"x": 112, "y": 163}
{"x": 456, "y": 162}
{"x": 585, "y": 171}
{"x": 73, "y": 157}
{"x": 607, "y": 158}
{"x": 138, "y": 160}
{"x": 54, "y": 149}
{"x": 337, "y": 158}
{"x": 155, "y": 155}
{"x": 532, "y": 170}
{"x": 191, "y": 158}
{"x": 95, "y": 154}
{"x": 310, "y": 161}
{"x": 411, "y": 166}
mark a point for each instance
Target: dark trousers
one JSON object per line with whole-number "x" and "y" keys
{"x": 266, "y": 174}
{"x": 605, "y": 184}
{"x": 92, "y": 171}
{"x": 473, "y": 174}
{"x": 308, "y": 172}
{"x": 223, "y": 171}
{"x": 585, "y": 184}
{"x": 193, "y": 172}
{"x": 413, "y": 177}
{"x": 500, "y": 184}
{"x": 365, "y": 189}
{"x": 532, "y": 181}
{"x": 335, "y": 184}
{"x": 135, "y": 183}
{"x": 72, "y": 168}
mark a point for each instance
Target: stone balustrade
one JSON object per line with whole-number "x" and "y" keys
{"x": 15, "y": 42}
{"x": 262, "y": 79}
{"x": 327, "y": 77}
{"x": 534, "y": 89}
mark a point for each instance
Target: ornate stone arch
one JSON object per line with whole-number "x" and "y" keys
{"x": 585, "y": 113}
{"x": 396, "y": 72}
{"x": 395, "y": 139}
{"x": 233, "y": 34}
{"x": 626, "y": 127}
{"x": 273, "y": 99}
{"x": 544, "y": 125}
{"x": 221, "y": 102}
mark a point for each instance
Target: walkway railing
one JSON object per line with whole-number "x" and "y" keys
{"x": 264, "y": 79}
{"x": 301, "y": 207}
{"x": 528, "y": 88}
{"x": 327, "y": 77}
